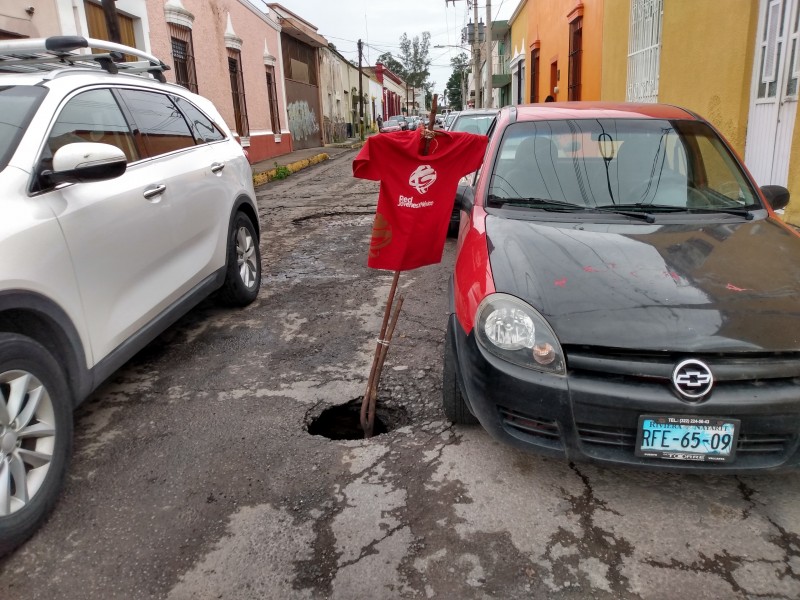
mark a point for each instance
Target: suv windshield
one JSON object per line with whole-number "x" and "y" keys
{"x": 631, "y": 164}
{"x": 18, "y": 103}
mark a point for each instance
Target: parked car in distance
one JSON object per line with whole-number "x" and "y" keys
{"x": 413, "y": 122}
{"x": 477, "y": 121}
{"x": 125, "y": 202}
{"x": 623, "y": 293}
{"x": 400, "y": 119}
{"x": 390, "y": 125}
{"x": 450, "y": 118}
{"x": 474, "y": 120}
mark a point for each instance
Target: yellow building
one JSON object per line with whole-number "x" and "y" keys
{"x": 733, "y": 62}
{"x": 564, "y": 39}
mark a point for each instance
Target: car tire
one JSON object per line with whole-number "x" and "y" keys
{"x": 35, "y": 437}
{"x": 455, "y": 408}
{"x": 243, "y": 276}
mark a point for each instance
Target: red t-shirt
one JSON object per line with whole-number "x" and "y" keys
{"x": 417, "y": 192}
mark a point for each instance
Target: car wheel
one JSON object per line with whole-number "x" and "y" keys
{"x": 35, "y": 437}
{"x": 243, "y": 278}
{"x": 455, "y": 409}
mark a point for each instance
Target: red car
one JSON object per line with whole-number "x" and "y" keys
{"x": 623, "y": 293}
{"x": 390, "y": 125}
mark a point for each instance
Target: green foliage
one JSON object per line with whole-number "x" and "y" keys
{"x": 455, "y": 84}
{"x": 281, "y": 172}
{"x": 390, "y": 62}
{"x": 415, "y": 56}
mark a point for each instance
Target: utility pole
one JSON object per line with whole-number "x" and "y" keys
{"x": 112, "y": 21}
{"x": 489, "y": 56}
{"x": 360, "y": 92}
{"x": 476, "y": 54}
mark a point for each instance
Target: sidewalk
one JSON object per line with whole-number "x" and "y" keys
{"x": 265, "y": 170}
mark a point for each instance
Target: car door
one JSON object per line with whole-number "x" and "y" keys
{"x": 189, "y": 163}
{"x": 118, "y": 236}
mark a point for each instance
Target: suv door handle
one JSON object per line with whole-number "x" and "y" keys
{"x": 217, "y": 167}
{"x": 155, "y": 190}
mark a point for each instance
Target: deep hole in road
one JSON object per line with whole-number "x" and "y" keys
{"x": 343, "y": 421}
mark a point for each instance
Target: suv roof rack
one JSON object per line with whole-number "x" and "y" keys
{"x": 58, "y": 52}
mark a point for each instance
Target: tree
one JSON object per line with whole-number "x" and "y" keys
{"x": 415, "y": 56}
{"x": 391, "y": 63}
{"x": 455, "y": 84}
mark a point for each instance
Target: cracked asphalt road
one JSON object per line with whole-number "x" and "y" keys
{"x": 194, "y": 475}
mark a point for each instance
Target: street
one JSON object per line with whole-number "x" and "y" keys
{"x": 194, "y": 474}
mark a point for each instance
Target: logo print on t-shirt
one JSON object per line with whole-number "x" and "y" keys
{"x": 422, "y": 178}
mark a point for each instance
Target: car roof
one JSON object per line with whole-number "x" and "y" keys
{"x": 598, "y": 110}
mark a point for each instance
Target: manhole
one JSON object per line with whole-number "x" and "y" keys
{"x": 343, "y": 421}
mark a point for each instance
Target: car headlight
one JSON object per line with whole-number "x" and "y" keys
{"x": 515, "y": 331}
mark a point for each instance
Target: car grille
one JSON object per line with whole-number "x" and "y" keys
{"x": 658, "y": 366}
{"x": 543, "y": 432}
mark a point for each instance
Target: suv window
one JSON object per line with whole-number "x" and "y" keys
{"x": 92, "y": 116}
{"x": 18, "y": 103}
{"x": 203, "y": 128}
{"x": 159, "y": 122}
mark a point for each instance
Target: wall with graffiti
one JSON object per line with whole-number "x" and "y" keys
{"x": 304, "y": 114}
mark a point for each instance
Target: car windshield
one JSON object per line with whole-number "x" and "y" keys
{"x": 627, "y": 164}
{"x": 473, "y": 123}
{"x": 450, "y": 118}
{"x": 18, "y": 103}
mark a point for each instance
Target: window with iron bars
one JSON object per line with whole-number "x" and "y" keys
{"x": 237, "y": 92}
{"x": 575, "y": 56}
{"x": 183, "y": 57}
{"x": 644, "y": 50}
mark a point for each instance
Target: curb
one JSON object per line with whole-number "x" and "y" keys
{"x": 266, "y": 176}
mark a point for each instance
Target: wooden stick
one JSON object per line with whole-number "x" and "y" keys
{"x": 365, "y": 403}
{"x": 373, "y": 395}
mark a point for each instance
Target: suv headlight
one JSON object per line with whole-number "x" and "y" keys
{"x": 515, "y": 331}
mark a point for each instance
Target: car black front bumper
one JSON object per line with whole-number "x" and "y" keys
{"x": 587, "y": 416}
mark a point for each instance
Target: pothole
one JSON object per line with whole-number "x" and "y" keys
{"x": 343, "y": 421}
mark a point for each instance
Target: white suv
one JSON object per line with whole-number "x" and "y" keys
{"x": 124, "y": 201}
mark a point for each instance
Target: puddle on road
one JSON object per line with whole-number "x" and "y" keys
{"x": 343, "y": 421}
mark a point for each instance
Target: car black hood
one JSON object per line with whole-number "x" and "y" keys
{"x": 730, "y": 286}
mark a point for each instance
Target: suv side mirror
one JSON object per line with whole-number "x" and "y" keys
{"x": 776, "y": 195}
{"x": 85, "y": 161}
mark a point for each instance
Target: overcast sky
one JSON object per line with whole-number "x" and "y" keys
{"x": 380, "y": 23}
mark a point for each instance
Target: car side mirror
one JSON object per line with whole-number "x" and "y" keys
{"x": 776, "y": 195}
{"x": 465, "y": 198}
{"x": 85, "y": 161}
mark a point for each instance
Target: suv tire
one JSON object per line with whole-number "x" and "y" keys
{"x": 27, "y": 416}
{"x": 455, "y": 408}
{"x": 243, "y": 277}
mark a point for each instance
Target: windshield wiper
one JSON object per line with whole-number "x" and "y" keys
{"x": 741, "y": 212}
{"x": 543, "y": 203}
{"x": 635, "y": 211}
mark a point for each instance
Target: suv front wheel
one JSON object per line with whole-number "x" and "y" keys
{"x": 243, "y": 277}
{"x": 35, "y": 436}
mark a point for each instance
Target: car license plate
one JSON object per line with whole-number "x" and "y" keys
{"x": 701, "y": 439}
